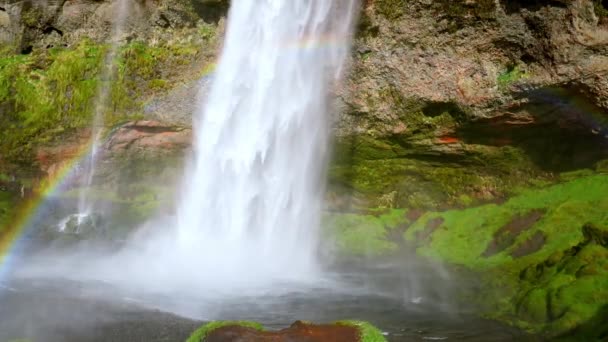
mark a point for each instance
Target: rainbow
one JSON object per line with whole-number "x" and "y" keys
{"x": 30, "y": 210}
{"x": 316, "y": 42}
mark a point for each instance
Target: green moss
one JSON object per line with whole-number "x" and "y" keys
{"x": 200, "y": 334}
{"x": 556, "y": 285}
{"x": 208, "y": 69}
{"x": 534, "y": 306}
{"x": 207, "y": 31}
{"x": 391, "y": 9}
{"x": 6, "y": 204}
{"x": 602, "y": 166}
{"x": 465, "y": 234}
{"x": 510, "y": 76}
{"x": 600, "y": 10}
{"x": 31, "y": 16}
{"x": 49, "y": 93}
{"x": 408, "y": 170}
{"x": 368, "y": 332}
{"x": 360, "y": 235}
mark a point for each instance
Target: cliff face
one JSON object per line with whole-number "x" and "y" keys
{"x": 471, "y": 86}
{"x": 433, "y": 83}
{"x": 31, "y": 24}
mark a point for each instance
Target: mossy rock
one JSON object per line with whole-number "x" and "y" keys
{"x": 553, "y": 285}
{"x": 200, "y": 334}
{"x": 50, "y": 93}
{"x": 299, "y": 331}
{"x": 426, "y": 173}
{"x": 541, "y": 255}
{"x": 368, "y": 332}
{"x": 363, "y": 235}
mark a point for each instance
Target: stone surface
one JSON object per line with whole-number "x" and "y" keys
{"x": 244, "y": 331}
{"x": 298, "y": 332}
{"x": 41, "y": 24}
{"x": 149, "y": 136}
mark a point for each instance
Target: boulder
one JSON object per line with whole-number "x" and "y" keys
{"x": 343, "y": 331}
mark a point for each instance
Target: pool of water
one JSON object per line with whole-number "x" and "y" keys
{"x": 61, "y": 310}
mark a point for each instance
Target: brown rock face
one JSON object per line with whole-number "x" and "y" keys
{"x": 30, "y": 24}
{"x": 52, "y": 158}
{"x": 152, "y": 136}
{"x": 478, "y": 55}
{"x": 298, "y": 332}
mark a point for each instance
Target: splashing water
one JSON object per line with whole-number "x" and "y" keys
{"x": 248, "y": 215}
{"x": 102, "y": 101}
{"x": 252, "y": 198}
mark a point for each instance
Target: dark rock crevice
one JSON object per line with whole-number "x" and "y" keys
{"x": 515, "y": 6}
{"x": 211, "y": 11}
{"x": 557, "y": 127}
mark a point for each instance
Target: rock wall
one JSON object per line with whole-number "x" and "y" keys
{"x": 31, "y": 24}
{"x": 454, "y": 102}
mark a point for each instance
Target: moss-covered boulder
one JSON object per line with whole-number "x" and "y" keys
{"x": 540, "y": 256}
{"x": 342, "y": 331}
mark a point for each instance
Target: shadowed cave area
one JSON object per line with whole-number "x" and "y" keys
{"x": 558, "y": 128}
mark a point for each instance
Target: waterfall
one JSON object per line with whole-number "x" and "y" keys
{"x": 253, "y": 194}
{"x": 248, "y": 215}
{"x": 102, "y": 101}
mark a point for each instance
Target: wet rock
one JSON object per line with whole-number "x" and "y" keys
{"x": 506, "y": 235}
{"x": 149, "y": 136}
{"x": 530, "y": 246}
{"x": 297, "y": 332}
{"x": 54, "y": 158}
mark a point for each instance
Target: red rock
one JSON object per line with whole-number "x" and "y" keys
{"x": 149, "y": 135}
{"x": 297, "y": 332}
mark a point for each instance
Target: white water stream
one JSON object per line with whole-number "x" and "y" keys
{"x": 102, "y": 102}
{"x": 253, "y": 194}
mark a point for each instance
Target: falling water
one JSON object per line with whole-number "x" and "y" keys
{"x": 254, "y": 191}
{"x": 248, "y": 216}
{"x": 102, "y": 101}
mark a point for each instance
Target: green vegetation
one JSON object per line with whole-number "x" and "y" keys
{"x": 552, "y": 269}
{"x": 200, "y": 334}
{"x": 49, "y": 93}
{"x": 6, "y": 204}
{"x": 602, "y": 166}
{"x": 363, "y": 235}
{"x": 407, "y": 167}
{"x": 542, "y": 255}
{"x": 510, "y": 76}
{"x": 468, "y": 232}
{"x": 45, "y": 94}
{"x": 368, "y": 332}
{"x": 600, "y": 10}
{"x": 391, "y": 9}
